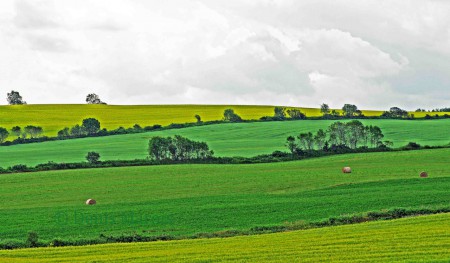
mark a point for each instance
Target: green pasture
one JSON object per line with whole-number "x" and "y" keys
{"x": 183, "y": 200}
{"x": 232, "y": 139}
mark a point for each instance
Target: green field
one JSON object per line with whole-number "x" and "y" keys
{"x": 55, "y": 117}
{"x": 233, "y": 139}
{"x": 419, "y": 239}
{"x": 188, "y": 199}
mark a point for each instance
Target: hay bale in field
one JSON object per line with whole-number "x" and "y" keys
{"x": 91, "y": 202}
{"x": 346, "y": 170}
{"x": 423, "y": 174}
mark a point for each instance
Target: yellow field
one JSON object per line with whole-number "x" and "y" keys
{"x": 424, "y": 239}
{"x": 55, "y": 117}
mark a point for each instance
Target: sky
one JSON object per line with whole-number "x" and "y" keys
{"x": 375, "y": 54}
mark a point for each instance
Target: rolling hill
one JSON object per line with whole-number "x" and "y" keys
{"x": 232, "y": 139}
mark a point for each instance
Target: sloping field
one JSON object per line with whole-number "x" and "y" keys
{"x": 419, "y": 239}
{"x": 57, "y": 116}
{"x": 183, "y": 200}
{"x": 234, "y": 139}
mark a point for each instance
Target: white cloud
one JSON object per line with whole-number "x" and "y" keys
{"x": 258, "y": 52}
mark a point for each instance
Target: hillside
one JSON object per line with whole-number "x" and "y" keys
{"x": 188, "y": 199}
{"x": 383, "y": 241}
{"x": 234, "y": 139}
{"x": 55, "y": 117}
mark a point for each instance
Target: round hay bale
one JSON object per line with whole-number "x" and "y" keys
{"x": 91, "y": 202}
{"x": 423, "y": 174}
{"x": 346, "y": 170}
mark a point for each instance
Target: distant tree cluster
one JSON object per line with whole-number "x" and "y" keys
{"x": 14, "y": 98}
{"x": 93, "y": 99}
{"x": 177, "y": 148}
{"x": 230, "y": 116}
{"x": 29, "y": 131}
{"x": 89, "y": 126}
{"x": 395, "y": 113}
{"x": 352, "y": 134}
{"x": 434, "y": 110}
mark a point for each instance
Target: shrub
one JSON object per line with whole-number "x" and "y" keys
{"x": 32, "y": 239}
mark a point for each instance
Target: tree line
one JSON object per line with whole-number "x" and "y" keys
{"x": 29, "y": 131}
{"x": 349, "y": 135}
{"x": 177, "y": 148}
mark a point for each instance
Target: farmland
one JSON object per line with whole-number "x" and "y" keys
{"x": 186, "y": 199}
{"x": 55, "y": 117}
{"x": 383, "y": 241}
{"x": 233, "y": 139}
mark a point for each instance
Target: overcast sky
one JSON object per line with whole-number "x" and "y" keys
{"x": 374, "y": 54}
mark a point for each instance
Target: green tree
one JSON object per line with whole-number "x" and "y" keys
{"x": 291, "y": 144}
{"x": 3, "y": 134}
{"x": 306, "y": 141}
{"x": 93, "y": 99}
{"x": 320, "y": 138}
{"x": 33, "y": 131}
{"x": 32, "y": 239}
{"x": 64, "y": 133}
{"x": 325, "y": 109}
{"x": 198, "y": 118}
{"x": 279, "y": 113}
{"x": 350, "y": 110}
{"x": 355, "y": 131}
{"x": 77, "y": 130}
{"x": 296, "y": 114}
{"x": 91, "y": 125}
{"x": 16, "y": 131}
{"x": 14, "y": 98}
{"x": 93, "y": 157}
{"x": 231, "y": 116}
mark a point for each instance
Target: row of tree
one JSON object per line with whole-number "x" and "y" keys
{"x": 352, "y": 134}
{"x": 177, "y": 148}
{"x": 14, "y": 98}
{"x": 29, "y": 131}
{"x": 89, "y": 126}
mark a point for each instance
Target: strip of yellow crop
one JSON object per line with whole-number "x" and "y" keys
{"x": 424, "y": 239}
{"x": 55, "y": 117}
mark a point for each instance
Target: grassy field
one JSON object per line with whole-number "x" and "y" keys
{"x": 419, "y": 239}
{"x": 56, "y": 116}
{"x": 188, "y": 199}
{"x": 235, "y": 139}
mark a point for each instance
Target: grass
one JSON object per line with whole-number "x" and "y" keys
{"x": 419, "y": 239}
{"x": 243, "y": 139}
{"x": 187, "y": 199}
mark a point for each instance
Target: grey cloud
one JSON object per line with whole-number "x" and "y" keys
{"x": 34, "y": 15}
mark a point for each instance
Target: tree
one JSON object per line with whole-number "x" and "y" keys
{"x": 14, "y": 98}
{"x": 291, "y": 144}
{"x": 375, "y": 135}
{"x": 198, "y": 118}
{"x": 93, "y": 157}
{"x": 325, "y": 109}
{"x": 64, "y": 133}
{"x": 395, "y": 112}
{"x": 32, "y": 239}
{"x": 93, "y": 99}
{"x": 3, "y": 134}
{"x": 350, "y": 110}
{"x": 229, "y": 115}
{"x": 320, "y": 139}
{"x": 77, "y": 130}
{"x": 33, "y": 131}
{"x": 296, "y": 114}
{"x": 16, "y": 131}
{"x": 279, "y": 113}
{"x": 355, "y": 133}
{"x": 91, "y": 125}
{"x": 177, "y": 148}
{"x": 306, "y": 141}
